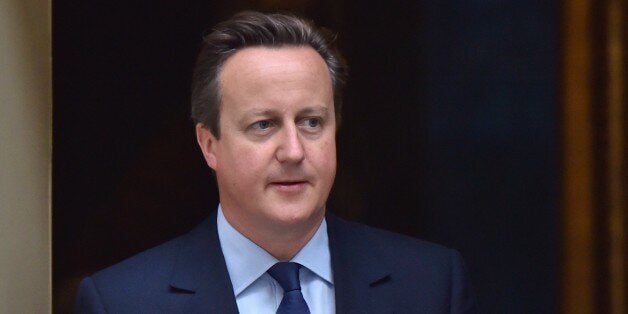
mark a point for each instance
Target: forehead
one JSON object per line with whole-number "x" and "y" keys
{"x": 284, "y": 63}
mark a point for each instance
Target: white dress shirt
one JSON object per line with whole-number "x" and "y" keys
{"x": 256, "y": 291}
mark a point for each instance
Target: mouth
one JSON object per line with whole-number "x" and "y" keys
{"x": 289, "y": 186}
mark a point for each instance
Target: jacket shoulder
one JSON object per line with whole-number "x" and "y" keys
{"x": 131, "y": 284}
{"x": 412, "y": 275}
{"x": 389, "y": 243}
{"x": 151, "y": 264}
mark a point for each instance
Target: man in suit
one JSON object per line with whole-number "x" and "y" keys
{"x": 266, "y": 103}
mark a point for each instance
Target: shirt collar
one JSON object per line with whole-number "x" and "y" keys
{"x": 246, "y": 261}
{"x": 315, "y": 254}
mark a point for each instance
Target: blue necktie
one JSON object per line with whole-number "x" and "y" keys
{"x": 287, "y": 275}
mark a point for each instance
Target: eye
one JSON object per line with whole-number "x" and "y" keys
{"x": 312, "y": 122}
{"x": 262, "y": 125}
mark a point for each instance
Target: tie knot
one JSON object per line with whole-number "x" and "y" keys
{"x": 287, "y": 275}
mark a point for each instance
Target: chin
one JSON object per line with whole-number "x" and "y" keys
{"x": 298, "y": 215}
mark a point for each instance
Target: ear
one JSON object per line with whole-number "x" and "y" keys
{"x": 207, "y": 142}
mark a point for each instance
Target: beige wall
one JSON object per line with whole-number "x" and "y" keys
{"x": 25, "y": 156}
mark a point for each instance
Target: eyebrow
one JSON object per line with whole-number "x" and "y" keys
{"x": 254, "y": 113}
{"x": 315, "y": 109}
{"x": 257, "y": 112}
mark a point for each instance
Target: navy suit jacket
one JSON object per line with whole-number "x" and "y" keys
{"x": 374, "y": 271}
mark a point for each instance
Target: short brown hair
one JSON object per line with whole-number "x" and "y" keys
{"x": 250, "y": 29}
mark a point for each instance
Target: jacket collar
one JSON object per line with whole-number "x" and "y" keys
{"x": 359, "y": 276}
{"x": 200, "y": 269}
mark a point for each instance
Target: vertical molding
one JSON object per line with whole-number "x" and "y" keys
{"x": 25, "y": 156}
{"x": 616, "y": 157}
{"x": 595, "y": 186}
{"x": 578, "y": 280}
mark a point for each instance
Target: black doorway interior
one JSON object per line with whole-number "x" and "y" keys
{"x": 449, "y": 132}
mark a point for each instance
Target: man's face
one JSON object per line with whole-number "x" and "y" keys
{"x": 275, "y": 160}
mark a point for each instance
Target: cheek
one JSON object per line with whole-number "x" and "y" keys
{"x": 239, "y": 175}
{"x": 247, "y": 161}
{"x": 325, "y": 158}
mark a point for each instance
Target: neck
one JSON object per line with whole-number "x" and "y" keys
{"x": 282, "y": 241}
{"x": 285, "y": 247}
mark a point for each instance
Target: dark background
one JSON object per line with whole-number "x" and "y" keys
{"x": 449, "y": 132}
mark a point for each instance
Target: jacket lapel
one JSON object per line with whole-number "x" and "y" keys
{"x": 361, "y": 281}
{"x": 201, "y": 272}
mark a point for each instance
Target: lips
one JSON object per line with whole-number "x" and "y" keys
{"x": 289, "y": 186}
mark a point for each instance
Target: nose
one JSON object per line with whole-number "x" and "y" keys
{"x": 290, "y": 149}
